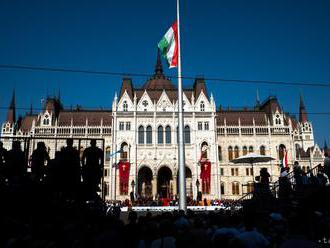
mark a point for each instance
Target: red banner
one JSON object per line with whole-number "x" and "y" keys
{"x": 124, "y": 168}
{"x": 206, "y": 176}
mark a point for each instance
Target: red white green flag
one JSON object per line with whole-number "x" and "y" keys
{"x": 168, "y": 45}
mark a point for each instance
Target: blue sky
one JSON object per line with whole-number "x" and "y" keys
{"x": 282, "y": 40}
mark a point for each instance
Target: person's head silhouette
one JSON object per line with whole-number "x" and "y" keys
{"x": 69, "y": 142}
{"x": 93, "y": 143}
{"x": 16, "y": 145}
{"x": 41, "y": 146}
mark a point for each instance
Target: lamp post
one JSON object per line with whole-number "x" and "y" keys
{"x": 133, "y": 185}
{"x": 197, "y": 185}
{"x": 132, "y": 192}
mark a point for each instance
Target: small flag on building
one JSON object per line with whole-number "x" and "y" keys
{"x": 168, "y": 46}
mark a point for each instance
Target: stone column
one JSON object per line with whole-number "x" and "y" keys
{"x": 175, "y": 186}
{"x": 154, "y": 186}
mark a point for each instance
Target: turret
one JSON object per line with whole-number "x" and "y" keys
{"x": 302, "y": 111}
{"x": 11, "y": 115}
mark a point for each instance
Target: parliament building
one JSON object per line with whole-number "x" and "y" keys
{"x": 139, "y": 138}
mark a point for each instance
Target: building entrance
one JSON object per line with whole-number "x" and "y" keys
{"x": 164, "y": 182}
{"x": 145, "y": 182}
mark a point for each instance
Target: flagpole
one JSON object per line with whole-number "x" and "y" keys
{"x": 182, "y": 172}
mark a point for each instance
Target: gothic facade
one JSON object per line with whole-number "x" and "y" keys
{"x": 139, "y": 138}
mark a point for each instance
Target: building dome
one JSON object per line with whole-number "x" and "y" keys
{"x": 158, "y": 80}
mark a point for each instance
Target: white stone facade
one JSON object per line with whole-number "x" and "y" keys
{"x": 153, "y": 152}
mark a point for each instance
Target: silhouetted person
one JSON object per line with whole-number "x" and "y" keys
{"x": 3, "y": 158}
{"x": 297, "y": 174}
{"x": 264, "y": 176}
{"x": 284, "y": 185}
{"x": 54, "y": 171}
{"x": 16, "y": 167}
{"x": 326, "y": 164}
{"x": 71, "y": 168}
{"x": 3, "y": 155}
{"x": 92, "y": 166}
{"x": 39, "y": 157}
{"x": 264, "y": 182}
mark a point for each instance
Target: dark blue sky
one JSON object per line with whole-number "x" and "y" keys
{"x": 281, "y": 40}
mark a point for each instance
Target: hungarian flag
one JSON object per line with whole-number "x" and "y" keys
{"x": 168, "y": 45}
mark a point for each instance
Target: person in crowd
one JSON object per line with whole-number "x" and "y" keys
{"x": 284, "y": 184}
{"x": 326, "y": 164}
{"x": 3, "y": 155}
{"x": 16, "y": 166}
{"x": 92, "y": 167}
{"x": 321, "y": 176}
{"x": 39, "y": 158}
{"x": 54, "y": 171}
{"x": 3, "y": 158}
{"x": 71, "y": 168}
{"x": 264, "y": 182}
{"x": 297, "y": 174}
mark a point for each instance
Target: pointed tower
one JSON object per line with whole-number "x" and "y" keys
{"x": 306, "y": 136}
{"x": 159, "y": 67}
{"x": 11, "y": 115}
{"x": 31, "y": 109}
{"x": 257, "y": 100}
{"x": 302, "y": 111}
{"x": 158, "y": 81}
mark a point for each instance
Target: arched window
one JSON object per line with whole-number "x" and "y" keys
{"x": 187, "y": 134}
{"x": 149, "y": 135}
{"x": 125, "y": 106}
{"x": 219, "y": 153}
{"x": 124, "y": 151}
{"x": 236, "y": 149}
{"x": 230, "y": 153}
{"x": 262, "y": 150}
{"x": 249, "y": 187}
{"x": 250, "y": 149}
{"x": 168, "y": 135}
{"x": 141, "y": 135}
{"x": 281, "y": 151}
{"x": 46, "y": 120}
{"x": 160, "y": 135}
{"x": 235, "y": 188}
{"x": 204, "y": 148}
{"x": 222, "y": 188}
{"x": 202, "y": 106}
{"x": 244, "y": 150}
{"x": 107, "y": 153}
{"x": 277, "y": 119}
{"x": 297, "y": 146}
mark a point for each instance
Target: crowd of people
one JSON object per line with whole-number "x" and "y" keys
{"x": 67, "y": 174}
{"x": 35, "y": 214}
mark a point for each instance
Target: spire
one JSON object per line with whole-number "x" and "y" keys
{"x": 31, "y": 109}
{"x": 11, "y": 116}
{"x": 159, "y": 67}
{"x": 257, "y": 99}
{"x": 59, "y": 95}
{"x": 325, "y": 145}
{"x": 302, "y": 111}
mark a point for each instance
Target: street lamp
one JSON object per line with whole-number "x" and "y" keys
{"x": 197, "y": 185}
{"x": 132, "y": 192}
{"x": 133, "y": 185}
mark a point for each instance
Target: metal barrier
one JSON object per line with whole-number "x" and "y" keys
{"x": 274, "y": 187}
